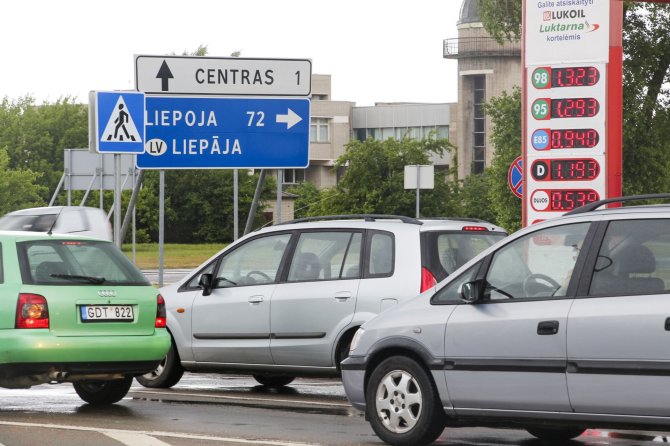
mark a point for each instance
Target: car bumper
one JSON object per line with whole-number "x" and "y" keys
{"x": 353, "y": 380}
{"x": 39, "y": 346}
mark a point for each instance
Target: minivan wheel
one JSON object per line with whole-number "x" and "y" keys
{"x": 103, "y": 392}
{"x": 556, "y": 433}
{"x": 402, "y": 403}
{"x": 274, "y": 380}
{"x": 167, "y": 374}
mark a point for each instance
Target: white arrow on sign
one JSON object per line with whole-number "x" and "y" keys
{"x": 291, "y": 119}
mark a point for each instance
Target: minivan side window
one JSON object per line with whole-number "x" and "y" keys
{"x": 537, "y": 265}
{"x": 381, "y": 251}
{"x": 325, "y": 256}
{"x": 634, "y": 258}
{"x": 451, "y": 294}
{"x": 254, "y": 263}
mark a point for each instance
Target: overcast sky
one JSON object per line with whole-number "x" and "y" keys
{"x": 375, "y": 50}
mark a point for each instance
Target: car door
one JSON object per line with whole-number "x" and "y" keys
{"x": 507, "y": 351}
{"x": 317, "y": 299}
{"x": 232, "y": 324}
{"x": 619, "y": 326}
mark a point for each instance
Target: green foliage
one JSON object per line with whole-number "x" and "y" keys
{"x": 505, "y": 114}
{"x": 35, "y": 136}
{"x": 501, "y": 18}
{"x": 646, "y": 154}
{"x": 474, "y": 190}
{"x": 373, "y": 182}
{"x": 308, "y": 197}
{"x": 18, "y": 187}
{"x": 199, "y": 204}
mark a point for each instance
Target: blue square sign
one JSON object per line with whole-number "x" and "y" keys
{"x": 118, "y": 121}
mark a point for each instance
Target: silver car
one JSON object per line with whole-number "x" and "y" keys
{"x": 286, "y": 301}
{"x": 562, "y": 326}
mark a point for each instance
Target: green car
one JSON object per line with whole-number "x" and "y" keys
{"x": 74, "y": 309}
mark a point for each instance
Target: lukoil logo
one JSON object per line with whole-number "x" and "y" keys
{"x": 567, "y": 14}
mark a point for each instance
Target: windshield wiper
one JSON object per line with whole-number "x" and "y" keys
{"x": 76, "y": 278}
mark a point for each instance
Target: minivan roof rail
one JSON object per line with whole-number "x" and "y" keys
{"x": 465, "y": 219}
{"x": 596, "y": 204}
{"x": 366, "y": 217}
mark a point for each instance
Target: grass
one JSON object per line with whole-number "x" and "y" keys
{"x": 175, "y": 256}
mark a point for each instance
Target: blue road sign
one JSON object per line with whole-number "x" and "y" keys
{"x": 225, "y": 133}
{"x": 118, "y": 120}
{"x": 515, "y": 177}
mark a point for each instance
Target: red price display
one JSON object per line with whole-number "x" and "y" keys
{"x": 574, "y": 107}
{"x": 574, "y": 138}
{"x": 574, "y": 77}
{"x": 574, "y": 169}
{"x": 569, "y": 199}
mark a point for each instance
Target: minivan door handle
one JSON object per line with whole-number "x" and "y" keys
{"x": 255, "y": 299}
{"x": 547, "y": 328}
{"x": 342, "y": 296}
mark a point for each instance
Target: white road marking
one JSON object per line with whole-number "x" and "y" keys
{"x": 135, "y": 439}
{"x": 157, "y": 434}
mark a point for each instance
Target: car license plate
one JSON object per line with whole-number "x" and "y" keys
{"x": 95, "y": 313}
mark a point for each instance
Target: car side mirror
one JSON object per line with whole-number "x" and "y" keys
{"x": 206, "y": 283}
{"x": 471, "y": 291}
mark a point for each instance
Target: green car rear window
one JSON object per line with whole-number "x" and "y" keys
{"x": 76, "y": 262}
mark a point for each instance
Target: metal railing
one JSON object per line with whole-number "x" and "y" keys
{"x": 460, "y": 47}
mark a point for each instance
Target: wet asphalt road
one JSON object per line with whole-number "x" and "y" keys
{"x": 228, "y": 410}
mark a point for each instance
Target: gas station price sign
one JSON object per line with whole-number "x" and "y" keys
{"x": 561, "y": 200}
{"x": 565, "y": 169}
{"x": 547, "y": 77}
{"x": 548, "y": 139}
{"x": 565, "y": 109}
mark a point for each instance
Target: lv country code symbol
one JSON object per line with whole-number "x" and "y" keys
{"x": 119, "y": 121}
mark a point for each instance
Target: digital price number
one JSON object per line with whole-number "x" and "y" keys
{"x": 546, "y": 139}
{"x": 577, "y": 169}
{"x": 562, "y": 200}
{"x": 545, "y": 108}
{"x": 545, "y": 77}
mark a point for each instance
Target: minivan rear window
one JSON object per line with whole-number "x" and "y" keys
{"x": 443, "y": 252}
{"x": 76, "y": 262}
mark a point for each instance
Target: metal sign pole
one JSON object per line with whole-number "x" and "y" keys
{"x": 161, "y": 225}
{"x": 418, "y": 188}
{"x": 236, "y": 206}
{"x": 117, "y": 200}
{"x": 280, "y": 178}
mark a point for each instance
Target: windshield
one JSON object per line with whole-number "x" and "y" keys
{"x": 35, "y": 223}
{"x": 76, "y": 262}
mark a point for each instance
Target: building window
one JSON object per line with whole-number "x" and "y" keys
{"x": 293, "y": 176}
{"x": 479, "y": 124}
{"x": 318, "y": 130}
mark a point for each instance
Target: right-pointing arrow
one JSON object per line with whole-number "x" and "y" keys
{"x": 290, "y": 119}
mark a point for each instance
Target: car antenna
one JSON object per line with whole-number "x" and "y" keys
{"x": 54, "y": 223}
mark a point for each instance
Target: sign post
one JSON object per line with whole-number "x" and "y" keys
{"x": 419, "y": 177}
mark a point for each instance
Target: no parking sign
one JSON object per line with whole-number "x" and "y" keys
{"x": 515, "y": 177}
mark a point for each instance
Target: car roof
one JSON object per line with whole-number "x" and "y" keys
{"x": 34, "y": 235}
{"x": 46, "y": 210}
{"x": 382, "y": 222}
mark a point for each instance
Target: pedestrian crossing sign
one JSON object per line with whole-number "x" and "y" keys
{"x": 117, "y": 121}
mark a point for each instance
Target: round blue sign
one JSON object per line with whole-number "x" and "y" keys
{"x": 540, "y": 139}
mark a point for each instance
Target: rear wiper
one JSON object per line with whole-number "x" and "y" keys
{"x": 76, "y": 278}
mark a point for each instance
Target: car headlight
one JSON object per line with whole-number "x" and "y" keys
{"x": 355, "y": 339}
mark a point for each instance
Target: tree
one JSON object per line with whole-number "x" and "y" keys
{"x": 373, "y": 181}
{"x": 35, "y": 136}
{"x": 18, "y": 187}
{"x": 505, "y": 114}
{"x": 646, "y": 96}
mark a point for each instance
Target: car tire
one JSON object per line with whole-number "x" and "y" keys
{"x": 103, "y": 392}
{"x": 274, "y": 380}
{"x": 167, "y": 374}
{"x": 556, "y": 433}
{"x": 401, "y": 387}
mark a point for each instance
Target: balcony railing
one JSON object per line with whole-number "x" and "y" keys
{"x": 461, "y": 47}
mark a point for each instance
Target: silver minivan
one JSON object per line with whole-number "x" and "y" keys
{"x": 563, "y": 326}
{"x": 286, "y": 301}
{"x": 76, "y": 220}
